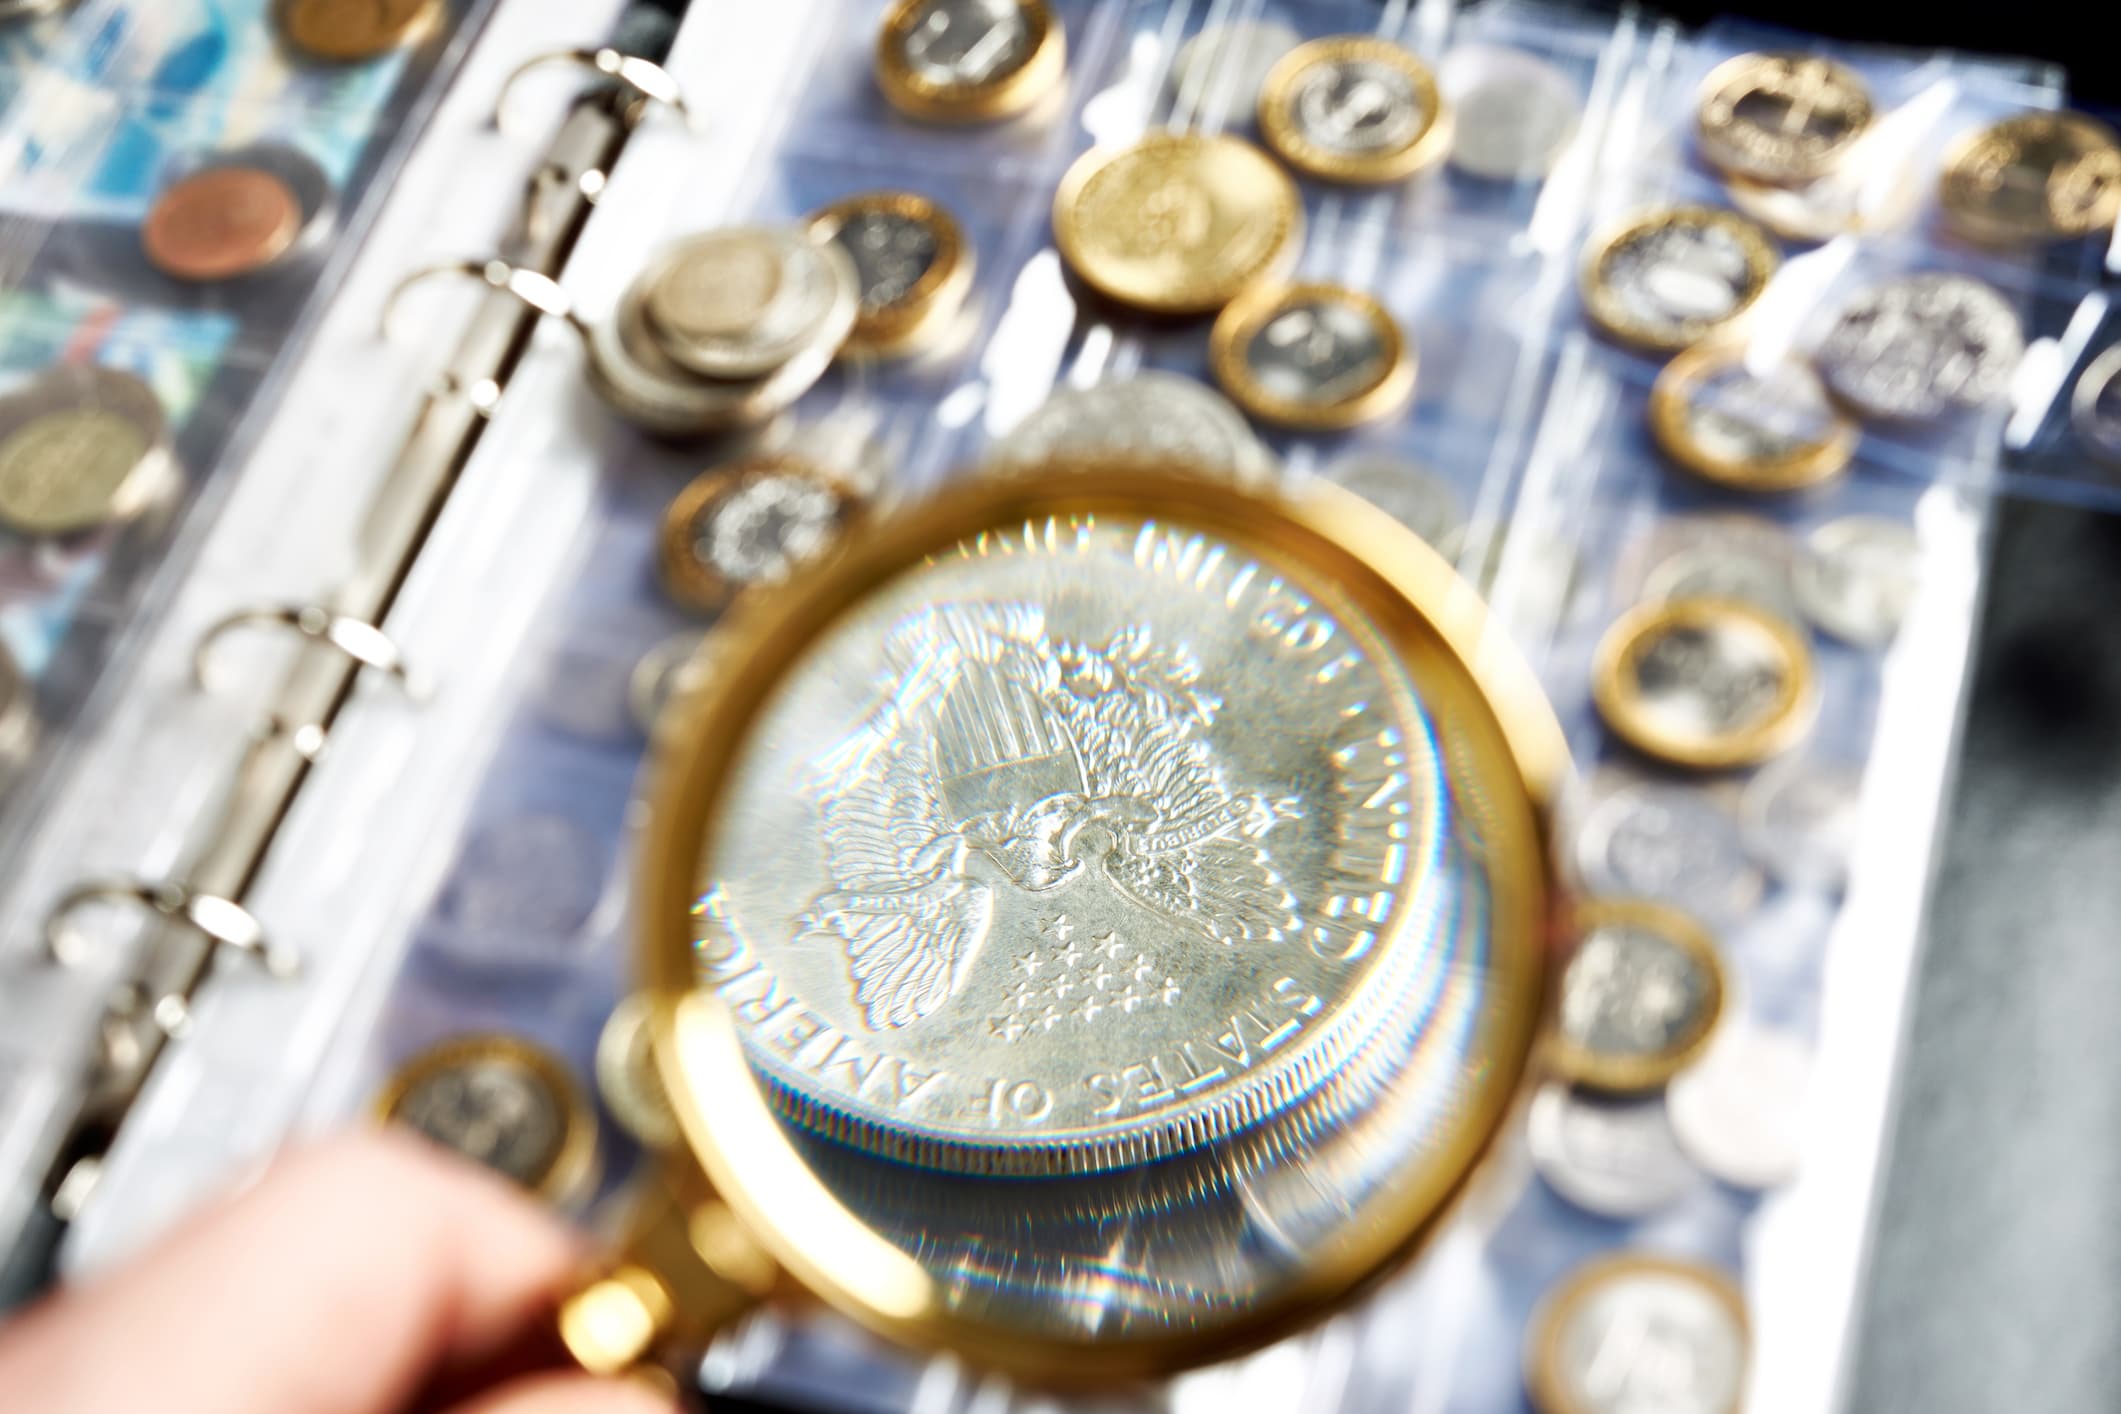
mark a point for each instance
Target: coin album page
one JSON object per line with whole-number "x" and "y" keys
{"x": 463, "y": 865}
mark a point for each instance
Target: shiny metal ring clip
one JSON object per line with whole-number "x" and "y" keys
{"x": 650, "y": 81}
{"x": 363, "y": 642}
{"x": 222, "y": 921}
{"x": 541, "y": 293}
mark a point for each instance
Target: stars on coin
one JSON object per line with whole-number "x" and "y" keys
{"x": 1108, "y": 944}
{"x": 1030, "y": 962}
{"x": 1058, "y": 928}
{"x": 1083, "y": 983}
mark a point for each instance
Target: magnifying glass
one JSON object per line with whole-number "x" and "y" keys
{"x": 1103, "y": 927}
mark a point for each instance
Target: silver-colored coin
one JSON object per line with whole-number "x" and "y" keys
{"x": 1669, "y": 843}
{"x": 1150, "y": 414}
{"x": 1516, "y": 114}
{"x": 2095, "y": 406}
{"x": 1800, "y": 818}
{"x": 1679, "y": 276}
{"x": 642, "y": 384}
{"x": 966, "y": 43}
{"x": 1922, "y": 346}
{"x": 1737, "y": 1110}
{"x": 492, "y": 1110}
{"x": 1218, "y": 73}
{"x": 740, "y": 303}
{"x": 525, "y": 875}
{"x": 1749, "y": 569}
{"x": 1612, "y": 1157}
{"x": 1629, "y": 992}
{"x": 1648, "y": 1341}
{"x": 1858, "y": 576}
{"x": 1411, "y": 494}
{"x": 1317, "y": 351}
{"x": 1708, "y": 681}
{"x": 763, "y": 530}
{"x": 1737, "y": 414}
{"x": 1357, "y": 106}
{"x": 1057, "y": 808}
{"x": 666, "y": 672}
{"x": 891, "y": 251}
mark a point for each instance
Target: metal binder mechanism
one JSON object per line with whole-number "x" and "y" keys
{"x": 364, "y": 643}
{"x": 649, "y": 82}
{"x": 221, "y": 921}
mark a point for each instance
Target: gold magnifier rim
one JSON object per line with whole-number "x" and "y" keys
{"x": 1418, "y": 606}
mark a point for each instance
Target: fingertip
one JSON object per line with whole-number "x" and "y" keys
{"x": 570, "y": 1392}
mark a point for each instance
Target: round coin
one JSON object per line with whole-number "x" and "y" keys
{"x": 80, "y": 447}
{"x": 1411, "y": 494}
{"x": 1313, "y": 356}
{"x": 1217, "y": 75}
{"x": 1671, "y": 844}
{"x": 1767, "y": 431}
{"x": 1354, "y": 108}
{"x": 1676, "y": 275}
{"x": 1865, "y": 195}
{"x": 2033, "y": 177}
{"x": 1152, "y": 414}
{"x": 501, "y": 1102}
{"x": 1800, "y": 818}
{"x": 740, "y": 303}
{"x": 630, "y": 371}
{"x": 1857, "y": 577}
{"x": 1736, "y": 1112}
{"x": 1178, "y": 223}
{"x": 1640, "y": 996}
{"x": 912, "y": 267}
{"x": 752, "y": 522}
{"x": 968, "y": 61}
{"x": 1514, "y": 114}
{"x": 1781, "y": 118}
{"x": 1726, "y": 557}
{"x": 1706, "y": 683}
{"x": 221, "y": 223}
{"x": 1638, "y": 1334}
{"x": 1611, "y": 1156}
{"x": 525, "y": 876}
{"x": 2095, "y": 406}
{"x": 349, "y": 31}
{"x": 627, "y": 1079}
{"x": 1922, "y": 346}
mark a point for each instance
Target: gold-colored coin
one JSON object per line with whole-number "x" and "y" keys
{"x": 1675, "y": 275}
{"x": 2034, "y": 177}
{"x": 968, "y": 61}
{"x": 1636, "y": 1331}
{"x": 627, "y": 1079}
{"x": 502, "y": 1102}
{"x": 912, "y": 265}
{"x": 1314, "y": 355}
{"x": 1354, "y": 108}
{"x": 1706, "y": 683}
{"x": 1773, "y": 431}
{"x": 1639, "y": 998}
{"x": 749, "y": 523}
{"x": 350, "y": 31}
{"x": 1781, "y": 118}
{"x": 1178, "y": 223}
{"x": 80, "y": 447}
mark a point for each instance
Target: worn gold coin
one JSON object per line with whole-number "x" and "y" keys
{"x": 65, "y": 471}
{"x": 349, "y": 31}
{"x": 1177, "y": 223}
{"x": 221, "y": 223}
{"x": 1354, "y": 108}
{"x": 968, "y": 61}
{"x": 1675, "y": 275}
{"x": 627, "y": 1079}
{"x": 1313, "y": 355}
{"x": 1781, "y": 118}
{"x": 912, "y": 267}
{"x": 1634, "y": 1332}
{"x": 751, "y": 522}
{"x": 2034, "y": 177}
{"x": 1706, "y": 683}
{"x": 1769, "y": 432}
{"x": 502, "y": 1102}
{"x": 1639, "y": 998}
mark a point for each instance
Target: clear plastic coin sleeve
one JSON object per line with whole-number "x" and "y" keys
{"x": 464, "y": 866}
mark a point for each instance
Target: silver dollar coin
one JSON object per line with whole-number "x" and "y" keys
{"x": 1611, "y": 1157}
{"x": 1411, "y": 494}
{"x": 1922, "y": 346}
{"x": 1516, "y": 114}
{"x": 1737, "y": 1111}
{"x": 2095, "y": 406}
{"x": 1218, "y": 73}
{"x": 1357, "y": 106}
{"x": 966, "y": 43}
{"x": 1631, "y": 992}
{"x": 1858, "y": 576}
{"x": 1800, "y": 818}
{"x": 1040, "y": 852}
{"x": 1149, "y": 414}
{"x": 1669, "y": 843}
{"x": 1647, "y": 1340}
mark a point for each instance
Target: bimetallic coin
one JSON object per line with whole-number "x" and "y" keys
{"x": 1676, "y": 275}
{"x": 1354, "y": 108}
{"x": 672, "y": 669}
{"x": 349, "y": 31}
{"x": 80, "y": 447}
{"x": 221, "y": 223}
{"x": 1671, "y": 844}
{"x": 2033, "y": 177}
{"x": 1217, "y": 75}
{"x": 1781, "y": 118}
{"x": 2095, "y": 406}
{"x": 1611, "y": 1156}
{"x": 1736, "y": 1112}
{"x": 501, "y": 1102}
{"x": 1411, "y": 494}
{"x": 1640, "y": 996}
{"x": 912, "y": 267}
{"x": 627, "y": 1079}
{"x": 968, "y": 61}
{"x": 1178, "y": 223}
{"x": 1857, "y": 577}
{"x": 752, "y": 522}
{"x": 741, "y": 303}
{"x": 1751, "y": 431}
{"x": 1800, "y": 818}
{"x": 1313, "y": 355}
{"x": 1922, "y": 346}
{"x": 1637, "y": 1334}
{"x": 1153, "y": 414}
{"x": 1706, "y": 683}
{"x": 1514, "y": 114}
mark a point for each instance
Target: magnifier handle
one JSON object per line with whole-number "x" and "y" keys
{"x": 686, "y": 1269}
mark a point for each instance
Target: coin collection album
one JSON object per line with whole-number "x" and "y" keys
{"x": 1060, "y": 704}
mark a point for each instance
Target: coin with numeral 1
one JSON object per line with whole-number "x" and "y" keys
{"x": 751, "y": 522}
{"x": 1707, "y": 683}
{"x": 968, "y": 61}
{"x": 1312, "y": 355}
{"x": 1640, "y": 996}
{"x": 1633, "y": 1333}
{"x": 502, "y": 1102}
{"x": 912, "y": 267}
{"x": 1354, "y": 108}
{"x": 2033, "y": 177}
{"x": 1769, "y": 430}
{"x": 1922, "y": 346}
{"x": 1675, "y": 275}
{"x": 1781, "y": 118}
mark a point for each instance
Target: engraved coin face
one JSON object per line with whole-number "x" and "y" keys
{"x": 1800, "y": 819}
{"x": 1356, "y": 106}
{"x": 1782, "y": 118}
{"x": 1757, "y": 430}
{"x": 349, "y": 31}
{"x": 966, "y": 43}
{"x": 1411, "y": 494}
{"x": 499, "y": 1102}
{"x": 2034, "y": 177}
{"x": 1150, "y": 414}
{"x": 1312, "y": 355}
{"x": 1710, "y": 683}
{"x": 1354, "y": 109}
{"x": 1612, "y": 1156}
{"x": 1669, "y": 843}
{"x": 1515, "y": 114}
{"x": 1922, "y": 346}
{"x": 1858, "y": 576}
{"x": 967, "y": 60}
{"x": 1217, "y": 74}
{"x": 64, "y": 470}
{"x": 1675, "y": 276}
{"x": 220, "y": 223}
{"x": 1634, "y": 1334}
{"x": 1639, "y": 997}
{"x": 2095, "y": 406}
{"x": 912, "y": 266}
{"x": 749, "y": 524}
{"x": 1736, "y": 1112}
{"x": 891, "y": 254}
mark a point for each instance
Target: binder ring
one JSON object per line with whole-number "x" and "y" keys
{"x": 363, "y": 642}
{"x": 541, "y": 293}
{"x": 222, "y": 921}
{"x": 650, "y": 81}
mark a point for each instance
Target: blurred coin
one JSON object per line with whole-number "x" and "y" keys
{"x": 1632, "y": 1333}
{"x": 1736, "y": 1111}
{"x": 1867, "y": 194}
{"x": 1921, "y": 346}
{"x": 1675, "y": 275}
{"x": 1706, "y": 683}
{"x": 1314, "y": 356}
{"x": 740, "y": 303}
{"x": 221, "y": 223}
{"x": 1857, "y": 577}
{"x": 313, "y": 189}
{"x": 525, "y": 875}
{"x": 1724, "y": 557}
{"x": 1781, "y": 118}
{"x": 1153, "y": 413}
{"x": 502, "y": 1102}
{"x": 1670, "y": 843}
{"x": 1408, "y": 492}
{"x": 2033, "y": 177}
{"x": 1515, "y": 115}
{"x": 81, "y": 446}
{"x": 1800, "y": 817}
{"x": 968, "y": 61}
{"x": 1613, "y": 1157}
{"x": 666, "y": 672}
{"x": 1218, "y": 73}
{"x": 751, "y": 522}
{"x": 349, "y": 31}
{"x": 1752, "y": 431}
{"x": 1354, "y": 108}
{"x": 1640, "y": 996}
{"x": 629, "y": 370}
{"x": 627, "y": 1079}
{"x": 2095, "y": 407}
{"x": 912, "y": 267}
{"x": 1177, "y": 223}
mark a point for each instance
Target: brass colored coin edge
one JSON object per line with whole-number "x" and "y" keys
{"x": 1629, "y": 1075}
{"x": 691, "y": 584}
{"x": 1542, "y": 1353}
{"x": 414, "y": 29}
{"x": 1763, "y": 259}
{"x": 1618, "y": 702}
{"x": 1286, "y": 139}
{"x": 1720, "y": 155}
{"x": 1670, "y": 399}
{"x": 1244, "y": 317}
{"x": 938, "y": 292}
{"x": 574, "y": 1163}
{"x": 1970, "y": 222}
{"x": 1004, "y": 96}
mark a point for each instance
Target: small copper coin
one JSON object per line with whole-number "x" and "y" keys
{"x": 221, "y": 223}
{"x": 350, "y": 31}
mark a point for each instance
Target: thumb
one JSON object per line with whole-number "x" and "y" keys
{"x": 568, "y": 1392}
